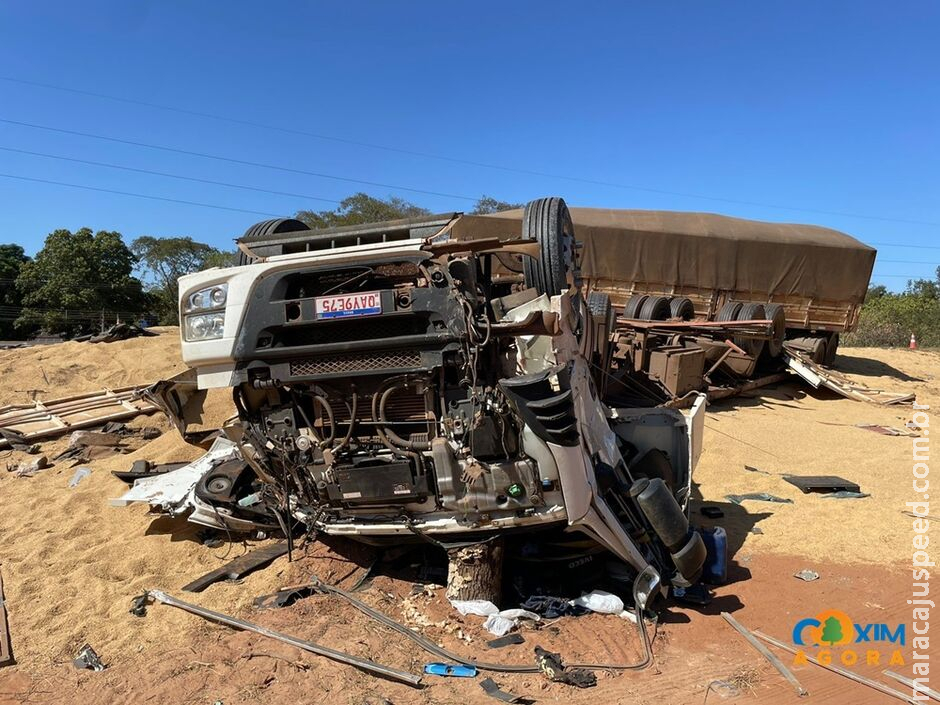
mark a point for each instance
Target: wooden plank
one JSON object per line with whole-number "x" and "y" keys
{"x": 6, "y": 648}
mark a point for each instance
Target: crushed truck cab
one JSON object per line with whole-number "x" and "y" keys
{"x": 394, "y": 383}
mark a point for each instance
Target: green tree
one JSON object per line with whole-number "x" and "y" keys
{"x": 221, "y": 258}
{"x": 164, "y": 260}
{"x": 488, "y": 204}
{"x": 77, "y": 277}
{"x": 832, "y": 631}
{"x": 361, "y": 208}
{"x": 12, "y": 258}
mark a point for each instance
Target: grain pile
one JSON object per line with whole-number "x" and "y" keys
{"x": 72, "y": 563}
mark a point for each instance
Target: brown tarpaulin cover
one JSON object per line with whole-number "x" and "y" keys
{"x": 707, "y": 251}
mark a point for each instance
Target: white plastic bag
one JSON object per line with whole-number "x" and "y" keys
{"x": 600, "y": 601}
{"x": 481, "y": 608}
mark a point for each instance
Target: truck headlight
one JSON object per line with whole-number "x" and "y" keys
{"x": 205, "y": 326}
{"x": 208, "y": 299}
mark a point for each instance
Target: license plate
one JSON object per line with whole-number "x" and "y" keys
{"x": 367, "y": 303}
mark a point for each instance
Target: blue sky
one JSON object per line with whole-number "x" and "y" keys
{"x": 831, "y": 109}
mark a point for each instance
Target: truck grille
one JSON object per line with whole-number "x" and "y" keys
{"x": 355, "y": 362}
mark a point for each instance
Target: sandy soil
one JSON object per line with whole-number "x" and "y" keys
{"x": 71, "y": 564}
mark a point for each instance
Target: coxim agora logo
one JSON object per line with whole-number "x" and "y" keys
{"x": 866, "y": 642}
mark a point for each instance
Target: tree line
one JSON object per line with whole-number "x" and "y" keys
{"x": 82, "y": 281}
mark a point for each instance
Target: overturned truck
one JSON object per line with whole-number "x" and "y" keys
{"x": 708, "y": 300}
{"x": 395, "y": 382}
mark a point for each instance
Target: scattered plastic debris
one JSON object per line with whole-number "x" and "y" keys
{"x": 600, "y": 601}
{"x": 845, "y": 494}
{"x": 450, "y": 669}
{"x": 80, "y": 474}
{"x": 498, "y": 622}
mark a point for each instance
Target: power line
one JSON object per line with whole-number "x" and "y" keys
{"x": 168, "y": 175}
{"x": 232, "y": 160}
{"x": 138, "y": 195}
{"x": 907, "y": 261}
{"x": 914, "y": 247}
{"x": 445, "y": 158}
{"x": 290, "y": 194}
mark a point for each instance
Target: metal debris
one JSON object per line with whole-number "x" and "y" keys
{"x": 766, "y": 653}
{"x": 835, "y": 669}
{"x": 56, "y": 417}
{"x": 807, "y": 575}
{"x": 507, "y": 640}
{"x": 240, "y": 566}
{"x": 6, "y": 649}
{"x": 915, "y": 687}
{"x": 349, "y": 659}
{"x": 821, "y": 483}
{"x": 552, "y": 666}
{"x": 492, "y": 689}
{"x": 886, "y": 430}
{"x": 88, "y": 659}
{"x": 757, "y": 496}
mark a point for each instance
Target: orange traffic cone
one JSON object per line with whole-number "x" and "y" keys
{"x": 913, "y": 345}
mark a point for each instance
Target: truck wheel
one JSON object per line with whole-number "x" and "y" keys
{"x": 831, "y": 347}
{"x": 655, "y": 308}
{"x": 603, "y": 314}
{"x": 269, "y": 227}
{"x": 547, "y": 221}
{"x": 729, "y": 312}
{"x": 775, "y": 313}
{"x": 819, "y": 351}
{"x": 632, "y": 309}
{"x": 750, "y": 312}
{"x": 681, "y": 307}
{"x": 599, "y": 304}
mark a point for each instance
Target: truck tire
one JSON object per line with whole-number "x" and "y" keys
{"x": 750, "y": 312}
{"x": 819, "y": 350}
{"x": 682, "y": 308}
{"x": 632, "y": 309}
{"x": 729, "y": 312}
{"x": 548, "y": 222}
{"x": 831, "y": 347}
{"x": 655, "y": 308}
{"x": 775, "y": 313}
{"x": 269, "y": 227}
{"x": 599, "y": 304}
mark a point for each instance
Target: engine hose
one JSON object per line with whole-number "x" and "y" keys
{"x": 322, "y": 400}
{"x": 392, "y": 436}
{"x": 435, "y": 650}
{"x": 352, "y": 420}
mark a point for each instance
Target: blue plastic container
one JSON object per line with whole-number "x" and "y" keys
{"x": 715, "y": 570}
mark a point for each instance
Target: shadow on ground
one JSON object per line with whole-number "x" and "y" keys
{"x": 872, "y": 368}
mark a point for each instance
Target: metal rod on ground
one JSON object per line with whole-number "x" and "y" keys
{"x": 841, "y": 671}
{"x": 441, "y": 652}
{"x": 766, "y": 653}
{"x": 349, "y": 659}
{"x": 916, "y": 687}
